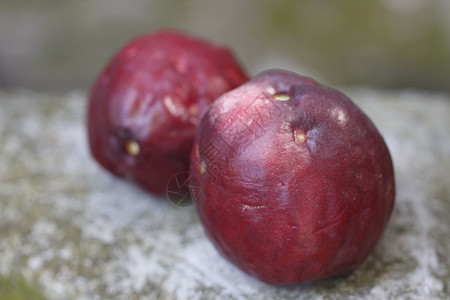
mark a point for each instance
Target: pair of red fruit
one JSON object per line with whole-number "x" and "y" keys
{"x": 296, "y": 182}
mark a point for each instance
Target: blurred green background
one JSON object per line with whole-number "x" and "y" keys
{"x": 62, "y": 45}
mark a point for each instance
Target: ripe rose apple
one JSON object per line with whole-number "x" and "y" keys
{"x": 296, "y": 182}
{"x": 147, "y": 102}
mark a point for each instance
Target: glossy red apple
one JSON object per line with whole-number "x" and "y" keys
{"x": 296, "y": 182}
{"x": 147, "y": 102}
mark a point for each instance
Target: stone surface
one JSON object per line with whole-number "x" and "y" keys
{"x": 76, "y": 232}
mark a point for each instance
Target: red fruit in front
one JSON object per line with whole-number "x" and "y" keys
{"x": 296, "y": 183}
{"x": 147, "y": 102}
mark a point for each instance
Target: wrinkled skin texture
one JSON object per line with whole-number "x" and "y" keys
{"x": 147, "y": 102}
{"x": 296, "y": 183}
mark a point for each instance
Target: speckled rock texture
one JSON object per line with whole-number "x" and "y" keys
{"x": 76, "y": 232}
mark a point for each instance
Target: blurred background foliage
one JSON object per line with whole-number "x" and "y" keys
{"x": 62, "y": 45}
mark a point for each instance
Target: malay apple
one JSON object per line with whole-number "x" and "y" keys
{"x": 296, "y": 182}
{"x": 145, "y": 105}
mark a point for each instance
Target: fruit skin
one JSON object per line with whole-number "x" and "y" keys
{"x": 145, "y": 105}
{"x": 294, "y": 189}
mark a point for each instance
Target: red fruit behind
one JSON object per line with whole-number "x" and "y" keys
{"x": 147, "y": 102}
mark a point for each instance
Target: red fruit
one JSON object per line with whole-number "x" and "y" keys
{"x": 147, "y": 102}
{"x": 296, "y": 182}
